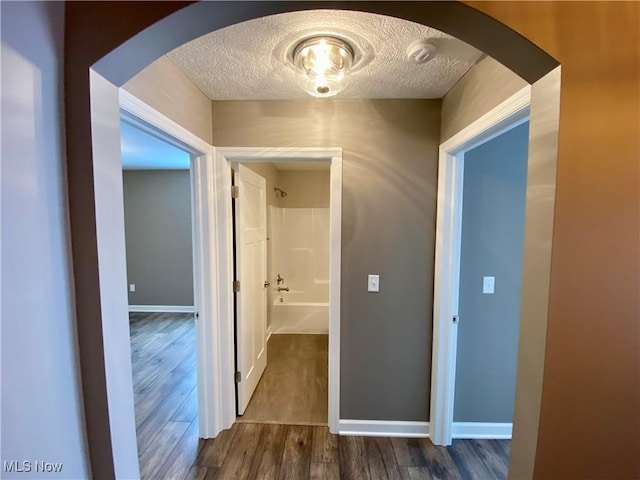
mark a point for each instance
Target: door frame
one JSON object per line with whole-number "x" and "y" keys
{"x": 204, "y": 249}
{"x": 223, "y": 158}
{"x": 509, "y": 114}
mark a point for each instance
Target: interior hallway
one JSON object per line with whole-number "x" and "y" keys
{"x": 164, "y": 377}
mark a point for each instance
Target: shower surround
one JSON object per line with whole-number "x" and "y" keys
{"x": 300, "y": 254}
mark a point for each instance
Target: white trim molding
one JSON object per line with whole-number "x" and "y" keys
{"x": 269, "y": 332}
{"x": 135, "y": 111}
{"x": 509, "y": 114}
{"x": 169, "y": 130}
{"x": 280, "y": 154}
{"x": 162, "y": 308}
{"x": 223, "y": 232}
{"x": 383, "y": 428}
{"x": 499, "y": 431}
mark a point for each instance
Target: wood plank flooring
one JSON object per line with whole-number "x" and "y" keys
{"x": 267, "y": 451}
{"x": 165, "y": 394}
{"x": 166, "y": 418}
{"x": 293, "y": 388}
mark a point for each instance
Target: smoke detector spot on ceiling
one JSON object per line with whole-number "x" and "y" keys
{"x": 421, "y": 51}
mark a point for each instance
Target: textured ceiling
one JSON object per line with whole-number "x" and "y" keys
{"x": 248, "y": 61}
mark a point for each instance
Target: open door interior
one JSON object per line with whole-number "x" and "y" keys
{"x": 251, "y": 272}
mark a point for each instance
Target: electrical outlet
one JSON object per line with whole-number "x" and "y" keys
{"x": 132, "y": 287}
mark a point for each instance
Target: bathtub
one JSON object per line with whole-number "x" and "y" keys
{"x": 293, "y": 312}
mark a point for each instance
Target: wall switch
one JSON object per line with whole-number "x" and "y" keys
{"x": 488, "y": 285}
{"x": 132, "y": 287}
{"x": 373, "y": 283}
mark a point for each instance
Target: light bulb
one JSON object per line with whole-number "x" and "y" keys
{"x": 323, "y": 62}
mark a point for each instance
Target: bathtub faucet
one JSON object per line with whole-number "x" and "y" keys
{"x": 283, "y": 289}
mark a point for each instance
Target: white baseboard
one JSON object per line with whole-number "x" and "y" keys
{"x": 269, "y": 332}
{"x": 162, "y": 308}
{"x": 299, "y": 332}
{"x": 482, "y": 430}
{"x": 383, "y": 428}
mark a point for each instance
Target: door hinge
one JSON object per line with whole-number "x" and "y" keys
{"x": 238, "y": 377}
{"x": 235, "y": 191}
{"x": 236, "y": 286}
{"x": 455, "y": 319}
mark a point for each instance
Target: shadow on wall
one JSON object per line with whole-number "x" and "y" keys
{"x": 41, "y": 390}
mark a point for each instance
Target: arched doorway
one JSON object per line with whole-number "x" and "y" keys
{"x": 120, "y": 53}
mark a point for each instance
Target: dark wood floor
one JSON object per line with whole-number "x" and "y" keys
{"x": 169, "y": 448}
{"x": 293, "y": 388}
{"x": 268, "y": 451}
{"x": 165, "y": 394}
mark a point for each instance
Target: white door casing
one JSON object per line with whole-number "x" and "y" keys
{"x": 251, "y": 272}
{"x": 221, "y": 178}
{"x": 509, "y": 114}
{"x": 212, "y": 404}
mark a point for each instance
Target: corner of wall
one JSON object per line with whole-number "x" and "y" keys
{"x": 485, "y": 85}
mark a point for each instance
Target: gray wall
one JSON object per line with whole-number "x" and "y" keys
{"x": 166, "y": 88}
{"x": 484, "y": 86}
{"x": 42, "y": 408}
{"x": 390, "y": 154}
{"x": 495, "y": 180}
{"x": 305, "y": 188}
{"x": 157, "y": 211}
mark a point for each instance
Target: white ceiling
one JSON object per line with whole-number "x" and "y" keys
{"x": 248, "y": 61}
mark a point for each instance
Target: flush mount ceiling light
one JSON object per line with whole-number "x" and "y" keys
{"x": 323, "y": 61}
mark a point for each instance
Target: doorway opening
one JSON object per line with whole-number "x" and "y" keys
{"x": 158, "y": 236}
{"x": 454, "y": 294}
{"x": 97, "y": 438}
{"x": 298, "y": 289}
{"x": 168, "y": 261}
{"x": 281, "y": 237}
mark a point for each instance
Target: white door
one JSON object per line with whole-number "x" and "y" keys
{"x": 251, "y": 271}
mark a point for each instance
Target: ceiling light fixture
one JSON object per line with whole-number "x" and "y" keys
{"x": 323, "y": 62}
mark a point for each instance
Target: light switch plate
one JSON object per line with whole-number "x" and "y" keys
{"x": 373, "y": 283}
{"x": 488, "y": 285}
{"x": 132, "y": 287}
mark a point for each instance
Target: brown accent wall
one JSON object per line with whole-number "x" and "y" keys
{"x": 590, "y": 415}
